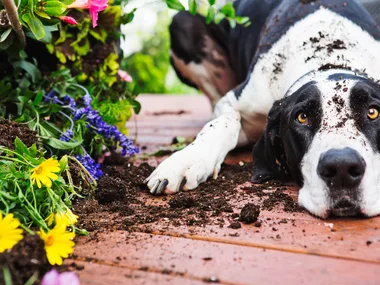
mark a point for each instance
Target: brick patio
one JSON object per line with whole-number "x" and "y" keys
{"x": 300, "y": 250}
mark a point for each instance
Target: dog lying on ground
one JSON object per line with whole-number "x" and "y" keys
{"x": 301, "y": 82}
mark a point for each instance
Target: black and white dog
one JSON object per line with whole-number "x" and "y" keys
{"x": 301, "y": 81}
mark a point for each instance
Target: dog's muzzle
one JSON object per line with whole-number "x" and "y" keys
{"x": 342, "y": 170}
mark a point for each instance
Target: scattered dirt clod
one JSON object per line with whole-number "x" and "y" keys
{"x": 249, "y": 213}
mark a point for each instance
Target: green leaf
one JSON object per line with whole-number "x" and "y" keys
{"x": 228, "y": 10}
{"x": 15, "y": 173}
{"x": 57, "y": 144}
{"x": 42, "y": 14}
{"x": 192, "y": 7}
{"x": 99, "y": 34}
{"x": 211, "y": 2}
{"x": 33, "y": 150}
{"x": 31, "y": 6}
{"x": 8, "y": 41}
{"x": 38, "y": 98}
{"x": 218, "y": 18}
{"x": 128, "y": 17}
{"x": 30, "y": 68}
{"x": 63, "y": 162}
{"x": 210, "y": 15}
{"x": 55, "y": 8}
{"x": 241, "y": 20}
{"x": 175, "y": 4}
{"x": 5, "y": 35}
{"x": 232, "y": 23}
{"x": 135, "y": 105}
{"x": 35, "y": 25}
{"x": 20, "y": 147}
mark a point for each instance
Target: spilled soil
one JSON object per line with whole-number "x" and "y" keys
{"x": 122, "y": 201}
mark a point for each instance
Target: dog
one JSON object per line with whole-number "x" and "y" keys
{"x": 301, "y": 82}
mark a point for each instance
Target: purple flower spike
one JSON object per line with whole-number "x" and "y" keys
{"x": 87, "y": 100}
{"x": 54, "y": 278}
{"x": 67, "y": 136}
{"x": 92, "y": 167}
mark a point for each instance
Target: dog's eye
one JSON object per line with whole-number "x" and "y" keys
{"x": 302, "y": 118}
{"x": 373, "y": 113}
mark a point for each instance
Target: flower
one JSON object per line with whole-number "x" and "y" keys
{"x": 65, "y": 217}
{"x": 10, "y": 234}
{"x": 124, "y": 76}
{"x": 45, "y": 172}
{"x": 68, "y": 19}
{"x": 67, "y": 135}
{"x": 54, "y": 278}
{"x": 58, "y": 243}
{"x": 92, "y": 167}
{"x": 95, "y": 6}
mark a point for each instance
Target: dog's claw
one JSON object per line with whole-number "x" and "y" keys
{"x": 161, "y": 187}
{"x": 154, "y": 188}
{"x": 183, "y": 182}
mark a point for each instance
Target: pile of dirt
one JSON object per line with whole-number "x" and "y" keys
{"x": 122, "y": 200}
{"x": 9, "y": 131}
{"x": 24, "y": 260}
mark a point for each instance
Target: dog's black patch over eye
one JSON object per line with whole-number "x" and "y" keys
{"x": 292, "y": 124}
{"x": 365, "y": 102}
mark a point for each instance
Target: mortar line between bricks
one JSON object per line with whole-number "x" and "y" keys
{"x": 148, "y": 269}
{"x": 262, "y": 246}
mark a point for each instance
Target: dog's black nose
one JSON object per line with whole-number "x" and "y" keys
{"x": 341, "y": 168}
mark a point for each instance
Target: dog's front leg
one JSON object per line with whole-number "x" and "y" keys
{"x": 187, "y": 168}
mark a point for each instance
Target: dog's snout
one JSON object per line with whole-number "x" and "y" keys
{"x": 341, "y": 168}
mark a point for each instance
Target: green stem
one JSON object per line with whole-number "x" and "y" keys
{"x": 92, "y": 181}
{"x": 25, "y": 228}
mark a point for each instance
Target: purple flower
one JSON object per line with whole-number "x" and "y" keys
{"x": 92, "y": 167}
{"x": 53, "y": 277}
{"x": 67, "y": 136}
{"x": 87, "y": 100}
{"x": 70, "y": 100}
{"x": 95, "y": 121}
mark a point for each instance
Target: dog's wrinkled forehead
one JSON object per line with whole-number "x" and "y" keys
{"x": 338, "y": 126}
{"x": 335, "y": 98}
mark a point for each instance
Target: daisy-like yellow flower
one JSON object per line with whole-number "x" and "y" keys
{"x": 68, "y": 218}
{"x": 10, "y": 234}
{"x": 58, "y": 243}
{"x": 45, "y": 173}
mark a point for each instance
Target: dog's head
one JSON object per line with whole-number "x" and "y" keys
{"x": 325, "y": 134}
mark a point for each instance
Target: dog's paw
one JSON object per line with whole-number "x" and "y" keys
{"x": 184, "y": 170}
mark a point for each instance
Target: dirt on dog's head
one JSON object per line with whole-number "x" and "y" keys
{"x": 325, "y": 135}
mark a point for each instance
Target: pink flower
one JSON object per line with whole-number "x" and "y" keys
{"x": 95, "y": 6}
{"x": 69, "y": 20}
{"x": 124, "y": 76}
{"x": 55, "y": 278}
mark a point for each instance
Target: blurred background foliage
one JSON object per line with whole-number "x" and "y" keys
{"x": 147, "y": 48}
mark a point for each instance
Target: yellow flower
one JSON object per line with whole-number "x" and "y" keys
{"x": 9, "y": 232}
{"x": 45, "y": 172}
{"x": 68, "y": 218}
{"x": 58, "y": 243}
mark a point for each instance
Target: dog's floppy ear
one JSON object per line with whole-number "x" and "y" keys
{"x": 268, "y": 154}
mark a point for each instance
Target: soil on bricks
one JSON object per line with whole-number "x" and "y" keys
{"x": 123, "y": 202}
